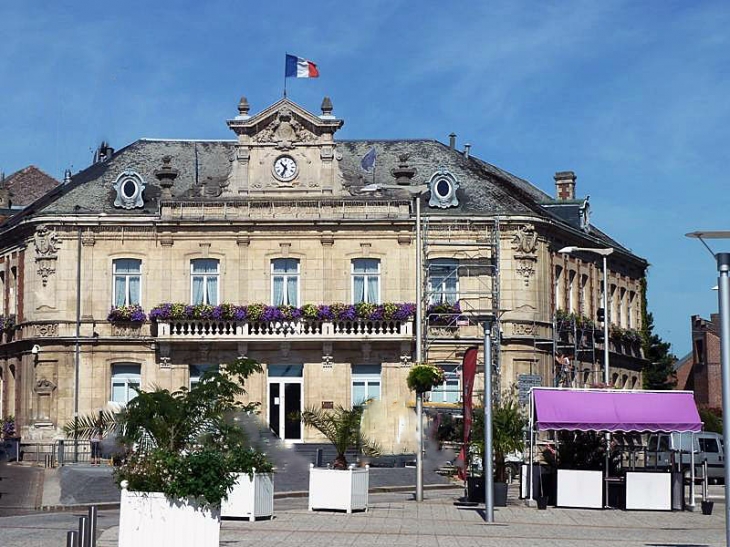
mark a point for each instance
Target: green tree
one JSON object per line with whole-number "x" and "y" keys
{"x": 659, "y": 372}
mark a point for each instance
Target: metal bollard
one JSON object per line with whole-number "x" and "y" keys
{"x": 83, "y": 531}
{"x": 704, "y": 480}
{"x": 318, "y": 461}
{"x": 61, "y": 450}
{"x": 71, "y": 539}
{"x": 91, "y": 542}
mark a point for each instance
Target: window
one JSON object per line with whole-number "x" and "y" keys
{"x": 285, "y": 282}
{"x": 365, "y": 383}
{"x": 443, "y": 280}
{"x": 127, "y": 274}
{"x": 571, "y": 291}
{"x": 583, "y": 304}
{"x": 612, "y": 317}
{"x": 204, "y": 281}
{"x": 708, "y": 445}
{"x": 196, "y": 371}
{"x": 124, "y": 379}
{"x": 559, "y": 288}
{"x": 630, "y": 310}
{"x": 621, "y": 320}
{"x": 366, "y": 280}
{"x": 450, "y": 390}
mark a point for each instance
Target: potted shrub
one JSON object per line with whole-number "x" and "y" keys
{"x": 508, "y": 423}
{"x": 184, "y": 456}
{"x": 341, "y": 487}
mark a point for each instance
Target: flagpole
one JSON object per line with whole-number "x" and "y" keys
{"x": 285, "y": 54}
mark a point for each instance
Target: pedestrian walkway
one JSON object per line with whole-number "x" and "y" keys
{"x": 395, "y": 519}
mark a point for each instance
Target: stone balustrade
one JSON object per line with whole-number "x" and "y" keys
{"x": 301, "y": 329}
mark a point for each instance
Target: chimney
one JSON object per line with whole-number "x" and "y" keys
{"x": 467, "y": 149}
{"x": 452, "y": 141}
{"x": 565, "y": 185}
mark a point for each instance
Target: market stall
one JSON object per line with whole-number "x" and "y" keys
{"x": 612, "y": 411}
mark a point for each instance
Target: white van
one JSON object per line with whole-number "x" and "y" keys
{"x": 707, "y": 447}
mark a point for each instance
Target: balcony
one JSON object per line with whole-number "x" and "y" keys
{"x": 295, "y": 329}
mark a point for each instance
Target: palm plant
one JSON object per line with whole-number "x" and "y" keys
{"x": 342, "y": 428}
{"x": 508, "y": 423}
{"x": 184, "y": 443}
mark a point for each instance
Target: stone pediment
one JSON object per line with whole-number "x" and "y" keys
{"x": 283, "y": 124}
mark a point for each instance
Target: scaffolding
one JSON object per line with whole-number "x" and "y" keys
{"x": 460, "y": 290}
{"x": 574, "y": 345}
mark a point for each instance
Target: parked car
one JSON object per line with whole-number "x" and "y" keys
{"x": 707, "y": 447}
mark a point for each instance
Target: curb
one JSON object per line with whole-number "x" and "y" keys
{"x": 277, "y": 495}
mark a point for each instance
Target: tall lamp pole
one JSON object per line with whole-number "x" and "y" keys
{"x": 723, "y": 285}
{"x": 416, "y": 191}
{"x": 603, "y": 252}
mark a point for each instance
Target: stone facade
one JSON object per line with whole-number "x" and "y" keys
{"x": 137, "y": 226}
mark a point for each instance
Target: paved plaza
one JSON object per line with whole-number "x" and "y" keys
{"x": 394, "y": 518}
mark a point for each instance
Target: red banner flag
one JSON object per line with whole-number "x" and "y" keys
{"x": 468, "y": 372}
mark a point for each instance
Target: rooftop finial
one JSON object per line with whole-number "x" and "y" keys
{"x": 327, "y": 107}
{"x": 243, "y": 108}
{"x": 67, "y": 176}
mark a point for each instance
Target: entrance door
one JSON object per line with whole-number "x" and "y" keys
{"x": 285, "y": 401}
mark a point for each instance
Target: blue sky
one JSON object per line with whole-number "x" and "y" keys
{"x": 632, "y": 96}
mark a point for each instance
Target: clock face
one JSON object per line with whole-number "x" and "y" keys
{"x": 285, "y": 168}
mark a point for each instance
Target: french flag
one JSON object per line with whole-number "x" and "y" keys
{"x": 296, "y": 67}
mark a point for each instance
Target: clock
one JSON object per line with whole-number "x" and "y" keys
{"x": 285, "y": 168}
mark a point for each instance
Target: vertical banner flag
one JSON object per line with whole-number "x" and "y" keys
{"x": 368, "y": 160}
{"x": 296, "y": 67}
{"x": 468, "y": 373}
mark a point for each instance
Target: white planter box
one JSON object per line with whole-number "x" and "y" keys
{"x": 340, "y": 489}
{"x": 150, "y": 519}
{"x": 579, "y": 488}
{"x": 250, "y": 498}
{"x": 649, "y": 491}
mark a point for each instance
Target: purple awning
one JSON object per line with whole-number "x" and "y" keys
{"x": 605, "y": 410}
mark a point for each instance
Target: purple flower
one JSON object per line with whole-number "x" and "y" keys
{"x": 324, "y": 313}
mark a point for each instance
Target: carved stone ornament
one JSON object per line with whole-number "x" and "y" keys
{"x": 525, "y": 240}
{"x": 46, "y": 249}
{"x": 44, "y": 386}
{"x": 524, "y": 244}
{"x": 524, "y": 329}
{"x": 46, "y": 330}
{"x": 284, "y": 131}
{"x": 126, "y": 329}
{"x": 129, "y": 187}
{"x": 46, "y": 242}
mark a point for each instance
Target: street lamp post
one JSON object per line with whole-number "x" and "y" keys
{"x": 723, "y": 285}
{"x": 606, "y": 378}
{"x": 416, "y": 191}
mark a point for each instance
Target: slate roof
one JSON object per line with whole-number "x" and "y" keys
{"x": 484, "y": 189}
{"x": 28, "y": 184}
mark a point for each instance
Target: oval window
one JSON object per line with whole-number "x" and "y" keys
{"x": 443, "y": 188}
{"x": 129, "y": 189}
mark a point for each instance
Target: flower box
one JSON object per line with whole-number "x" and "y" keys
{"x": 150, "y": 519}
{"x": 250, "y": 498}
{"x": 339, "y": 489}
